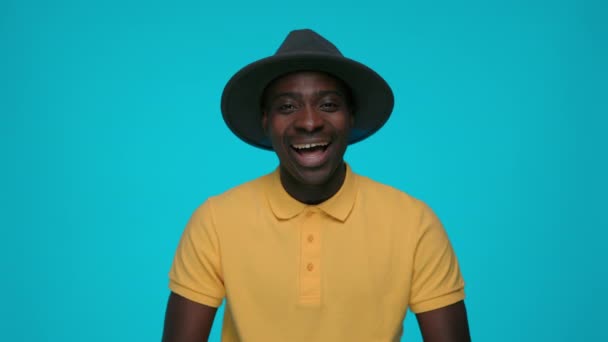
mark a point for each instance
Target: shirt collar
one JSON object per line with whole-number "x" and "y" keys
{"x": 338, "y": 206}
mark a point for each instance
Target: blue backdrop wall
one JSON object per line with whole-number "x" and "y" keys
{"x": 111, "y": 135}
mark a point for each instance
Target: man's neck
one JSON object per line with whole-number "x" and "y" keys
{"x": 313, "y": 194}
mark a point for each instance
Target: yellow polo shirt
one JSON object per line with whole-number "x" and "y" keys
{"x": 344, "y": 270}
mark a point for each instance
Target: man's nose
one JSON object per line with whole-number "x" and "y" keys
{"x": 309, "y": 119}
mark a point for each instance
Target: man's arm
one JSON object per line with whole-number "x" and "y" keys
{"x": 447, "y": 324}
{"x": 187, "y": 321}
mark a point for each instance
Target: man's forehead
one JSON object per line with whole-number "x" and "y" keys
{"x": 306, "y": 82}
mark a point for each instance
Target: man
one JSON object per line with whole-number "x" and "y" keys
{"x": 312, "y": 251}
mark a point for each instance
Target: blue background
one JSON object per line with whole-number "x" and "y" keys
{"x": 111, "y": 135}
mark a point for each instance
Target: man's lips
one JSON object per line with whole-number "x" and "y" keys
{"x": 310, "y": 154}
{"x": 309, "y": 145}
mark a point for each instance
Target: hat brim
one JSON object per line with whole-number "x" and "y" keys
{"x": 241, "y": 99}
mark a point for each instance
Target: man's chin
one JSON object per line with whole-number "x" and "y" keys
{"x": 313, "y": 177}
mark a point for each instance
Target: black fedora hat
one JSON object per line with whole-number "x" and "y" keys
{"x": 304, "y": 50}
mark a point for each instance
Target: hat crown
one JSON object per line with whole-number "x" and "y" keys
{"x": 307, "y": 41}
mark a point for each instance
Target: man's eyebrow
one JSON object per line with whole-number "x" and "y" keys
{"x": 330, "y": 92}
{"x": 286, "y": 94}
{"x": 319, "y": 93}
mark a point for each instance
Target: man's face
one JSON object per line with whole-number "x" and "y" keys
{"x": 307, "y": 117}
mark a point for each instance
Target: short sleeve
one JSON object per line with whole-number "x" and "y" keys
{"x": 196, "y": 271}
{"x": 436, "y": 280}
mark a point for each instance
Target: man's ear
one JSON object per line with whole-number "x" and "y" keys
{"x": 265, "y": 122}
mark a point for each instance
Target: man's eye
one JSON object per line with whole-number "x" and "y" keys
{"x": 286, "y": 107}
{"x": 330, "y": 106}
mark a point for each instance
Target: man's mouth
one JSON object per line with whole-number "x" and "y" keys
{"x": 310, "y": 154}
{"x": 306, "y": 148}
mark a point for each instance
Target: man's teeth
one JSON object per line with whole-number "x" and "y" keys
{"x": 305, "y": 146}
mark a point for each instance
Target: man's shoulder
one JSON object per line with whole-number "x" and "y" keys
{"x": 249, "y": 192}
{"x": 373, "y": 191}
{"x": 377, "y": 188}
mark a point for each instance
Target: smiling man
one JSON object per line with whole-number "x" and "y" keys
{"x": 312, "y": 251}
{"x": 307, "y": 117}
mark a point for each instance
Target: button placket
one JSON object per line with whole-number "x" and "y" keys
{"x": 310, "y": 258}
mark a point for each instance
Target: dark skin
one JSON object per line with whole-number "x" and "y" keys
{"x": 305, "y": 108}
{"x": 447, "y": 324}
{"x": 186, "y": 320}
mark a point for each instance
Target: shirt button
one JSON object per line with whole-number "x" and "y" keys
{"x": 310, "y": 214}
{"x": 310, "y": 267}
{"x": 311, "y": 238}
